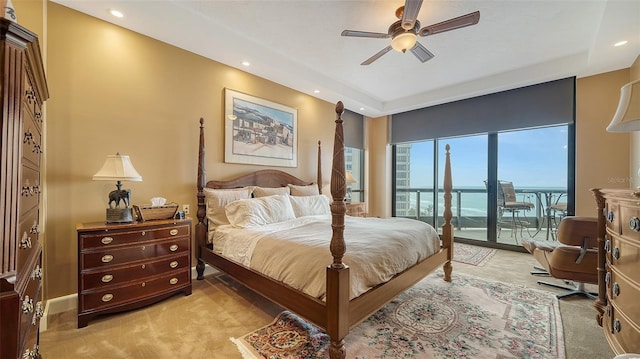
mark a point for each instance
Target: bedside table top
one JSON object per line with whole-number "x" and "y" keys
{"x": 97, "y": 226}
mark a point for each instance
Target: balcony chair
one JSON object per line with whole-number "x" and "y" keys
{"x": 573, "y": 258}
{"x": 508, "y": 203}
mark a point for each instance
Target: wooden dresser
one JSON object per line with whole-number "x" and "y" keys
{"x": 618, "y": 301}
{"x": 24, "y": 89}
{"x": 127, "y": 266}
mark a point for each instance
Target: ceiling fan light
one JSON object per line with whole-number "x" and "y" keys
{"x": 404, "y": 41}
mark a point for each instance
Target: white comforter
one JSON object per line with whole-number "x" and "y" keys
{"x": 296, "y": 252}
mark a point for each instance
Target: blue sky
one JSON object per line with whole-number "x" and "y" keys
{"x": 531, "y": 158}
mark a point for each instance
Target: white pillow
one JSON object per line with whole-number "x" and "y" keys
{"x": 310, "y": 205}
{"x": 309, "y": 190}
{"x": 266, "y": 191}
{"x": 217, "y": 199}
{"x": 259, "y": 211}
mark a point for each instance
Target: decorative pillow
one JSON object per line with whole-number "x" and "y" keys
{"x": 266, "y": 191}
{"x": 259, "y": 211}
{"x": 217, "y": 199}
{"x": 310, "y": 205}
{"x": 309, "y": 190}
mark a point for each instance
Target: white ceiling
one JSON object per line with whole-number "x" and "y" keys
{"x": 297, "y": 43}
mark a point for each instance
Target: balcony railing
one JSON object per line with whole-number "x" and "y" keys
{"x": 469, "y": 205}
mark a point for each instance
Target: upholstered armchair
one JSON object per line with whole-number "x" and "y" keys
{"x": 573, "y": 258}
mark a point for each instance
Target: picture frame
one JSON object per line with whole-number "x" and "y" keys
{"x": 259, "y": 131}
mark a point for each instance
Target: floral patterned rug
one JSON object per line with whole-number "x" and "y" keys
{"x": 467, "y": 318}
{"x": 469, "y": 254}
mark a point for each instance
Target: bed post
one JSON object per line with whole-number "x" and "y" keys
{"x": 338, "y": 288}
{"x": 447, "y": 227}
{"x": 201, "y": 227}
{"x": 319, "y": 172}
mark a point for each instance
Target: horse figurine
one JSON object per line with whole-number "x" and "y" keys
{"x": 118, "y": 195}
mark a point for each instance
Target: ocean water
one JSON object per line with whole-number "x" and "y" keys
{"x": 474, "y": 203}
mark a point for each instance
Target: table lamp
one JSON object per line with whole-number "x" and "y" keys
{"x": 118, "y": 168}
{"x": 627, "y": 116}
{"x": 349, "y": 179}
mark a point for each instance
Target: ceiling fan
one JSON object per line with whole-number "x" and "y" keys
{"x": 404, "y": 32}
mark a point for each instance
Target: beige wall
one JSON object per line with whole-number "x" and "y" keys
{"x": 634, "y": 160}
{"x": 113, "y": 90}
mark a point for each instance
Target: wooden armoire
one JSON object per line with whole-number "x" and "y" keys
{"x": 23, "y": 91}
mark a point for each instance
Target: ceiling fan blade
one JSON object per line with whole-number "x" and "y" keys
{"x": 422, "y": 53}
{"x": 376, "y": 35}
{"x": 376, "y": 56}
{"x": 410, "y": 13}
{"x": 451, "y": 24}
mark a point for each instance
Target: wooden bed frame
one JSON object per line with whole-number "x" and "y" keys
{"x": 337, "y": 315}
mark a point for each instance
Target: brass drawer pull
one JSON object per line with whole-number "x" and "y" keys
{"x": 616, "y": 289}
{"x": 39, "y": 313}
{"x": 107, "y": 297}
{"x": 634, "y": 224}
{"x": 107, "y": 278}
{"x": 107, "y": 258}
{"x": 27, "y": 305}
{"x": 607, "y": 244}
{"x": 609, "y": 311}
{"x": 610, "y": 216}
{"x": 106, "y": 240}
{"x": 617, "y": 327}
{"x": 173, "y": 281}
{"x": 144, "y": 233}
{"x": 616, "y": 253}
{"x": 36, "y": 273}
{"x": 607, "y": 278}
{"x": 173, "y": 264}
{"x": 173, "y": 248}
{"x": 173, "y": 232}
{"x": 25, "y": 242}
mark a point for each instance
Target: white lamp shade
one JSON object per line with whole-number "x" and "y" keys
{"x": 627, "y": 116}
{"x": 117, "y": 168}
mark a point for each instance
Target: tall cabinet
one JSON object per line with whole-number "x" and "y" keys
{"x": 22, "y": 94}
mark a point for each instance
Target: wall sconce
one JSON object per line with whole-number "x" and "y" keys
{"x": 118, "y": 168}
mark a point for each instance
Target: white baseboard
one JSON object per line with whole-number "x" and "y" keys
{"x": 70, "y": 302}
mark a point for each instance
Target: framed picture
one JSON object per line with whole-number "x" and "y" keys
{"x": 259, "y": 132}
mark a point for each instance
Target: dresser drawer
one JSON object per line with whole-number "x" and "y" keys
{"x": 120, "y": 255}
{"x": 29, "y": 189}
{"x": 31, "y": 142}
{"x": 612, "y": 215}
{"x": 120, "y": 275}
{"x": 108, "y": 239}
{"x": 623, "y": 292}
{"x": 622, "y": 334}
{"x": 31, "y": 308}
{"x": 624, "y": 255}
{"x": 112, "y": 297}
{"x": 28, "y": 240}
{"x": 630, "y": 221}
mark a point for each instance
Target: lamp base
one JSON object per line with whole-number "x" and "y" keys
{"x": 119, "y": 215}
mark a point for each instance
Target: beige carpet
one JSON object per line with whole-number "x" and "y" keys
{"x": 200, "y": 325}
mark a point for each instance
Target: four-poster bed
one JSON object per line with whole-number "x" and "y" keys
{"x": 337, "y": 310}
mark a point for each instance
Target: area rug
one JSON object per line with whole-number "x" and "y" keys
{"x": 467, "y": 318}
{"x": 469, "y": 254}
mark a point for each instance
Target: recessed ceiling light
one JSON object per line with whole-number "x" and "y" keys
{"x": 620, "y": 43}
{"x": 316, "y": 91}
{"x": 361, "y": 108}
{"x": 116, "y": 13}
{"x": 246, "y": 63}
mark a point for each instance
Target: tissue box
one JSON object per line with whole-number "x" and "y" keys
{"x": 148, "y": 212}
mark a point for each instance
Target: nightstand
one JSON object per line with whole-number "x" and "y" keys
{"x": 128, "y": 266}
{"x": 356, "y": 209}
